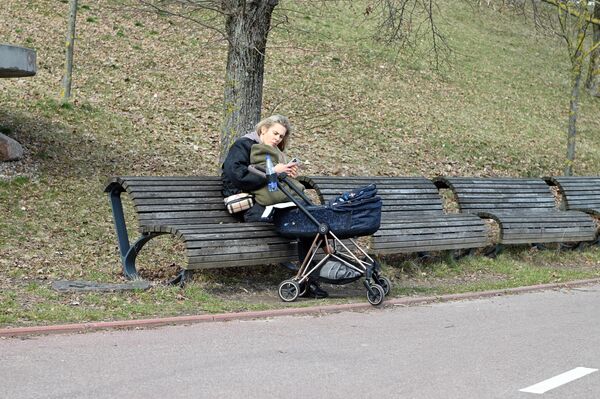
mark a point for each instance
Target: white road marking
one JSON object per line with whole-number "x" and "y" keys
{"x": 559, "y": 380}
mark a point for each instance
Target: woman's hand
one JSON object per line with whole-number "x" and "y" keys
{"x": 290, "y": 169}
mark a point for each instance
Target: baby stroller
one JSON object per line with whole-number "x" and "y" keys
{"x": 353, "y": 214}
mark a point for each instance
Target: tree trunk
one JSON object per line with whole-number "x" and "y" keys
{"x": 247, "y": 24}
{"x": 66, "y": 91}
{"x": 593, "y": 79}
{"x": 576, "y": 71}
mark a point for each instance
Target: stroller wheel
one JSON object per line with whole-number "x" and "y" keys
{"x": 385, "y": 283}
{"x": 289, "y": 290}
{"x": 377, "y": 297}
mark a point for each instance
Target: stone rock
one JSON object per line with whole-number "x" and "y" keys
{"x": 10, "y": 150}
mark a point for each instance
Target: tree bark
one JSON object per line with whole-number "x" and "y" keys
{"x": 247, "y": 25}
{"x": 66, "y": 91}
{"x": 593, "y": 78}
{"x": 572, "y": 129}
{"x": 576, "y": 72}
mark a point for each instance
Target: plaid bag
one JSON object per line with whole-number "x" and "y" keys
{"x": 239, "y": 202}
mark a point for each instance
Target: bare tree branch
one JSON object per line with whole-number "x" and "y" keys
{"x": 405, "y": 23}
{"x": 206, "y": 5}
{"x": 573, "y": 11}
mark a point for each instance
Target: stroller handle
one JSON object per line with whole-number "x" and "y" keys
{"x": 257, "y": 170}
{"x": 260, "y": 172}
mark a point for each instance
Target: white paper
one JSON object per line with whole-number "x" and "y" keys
{"x": 281, "y": 205}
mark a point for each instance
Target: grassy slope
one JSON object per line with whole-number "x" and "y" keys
{"x": 147, "y": 101}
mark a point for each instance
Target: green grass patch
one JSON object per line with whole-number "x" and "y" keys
{"x": 254, "y": 289}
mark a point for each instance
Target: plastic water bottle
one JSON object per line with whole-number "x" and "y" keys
{"x": 271, "y": 175}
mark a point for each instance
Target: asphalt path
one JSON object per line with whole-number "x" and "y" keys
{"x": 488, "y": 348}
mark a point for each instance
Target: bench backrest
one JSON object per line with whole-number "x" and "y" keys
{"x": 499, "y": 194}
{"x": 579, "y": 192}
{"x": 401, "y": 196}
{"x": 174, "y": 200}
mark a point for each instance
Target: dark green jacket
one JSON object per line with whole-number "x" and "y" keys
{"x": 258, "y": 157}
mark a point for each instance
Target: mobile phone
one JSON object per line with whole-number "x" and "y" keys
{"x": 295, "y": 160}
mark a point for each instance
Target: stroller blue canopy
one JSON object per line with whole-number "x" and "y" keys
{"x": 353, "y": 214}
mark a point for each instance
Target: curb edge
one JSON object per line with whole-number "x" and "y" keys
{"x": 311, "y": 310}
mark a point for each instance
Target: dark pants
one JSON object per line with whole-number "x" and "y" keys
{"x": 254, "y": 215}
{"x": 303, "y": 248}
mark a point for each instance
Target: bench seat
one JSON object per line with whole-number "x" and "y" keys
{"x": 412, "y": 215}
{"x": 192, "y": 210}
{"x": 524, "y": 209}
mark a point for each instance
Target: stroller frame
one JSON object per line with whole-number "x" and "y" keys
{"x": 289, "y": 290}
{"x": 367, "y": 267}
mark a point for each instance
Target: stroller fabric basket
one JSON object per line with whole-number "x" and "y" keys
{"x": 353, "y": 214}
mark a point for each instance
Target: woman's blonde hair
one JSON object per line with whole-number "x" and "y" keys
{"x": 272, "y": 120}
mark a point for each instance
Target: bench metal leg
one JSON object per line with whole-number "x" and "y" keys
{"x": 424, "y": 256}
{"x": 494, "y": 251}
{"x": 128, "y": 252}
{"x": 182, "y": 278}
{"x": 574, "y": 246}
{"x": 119, "y": 218}
{"x": 458, "y": 254}
{"x": 128, "y": 261}
{"x": 539, "y": 246}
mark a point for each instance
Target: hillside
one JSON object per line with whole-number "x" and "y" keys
{"x": 147, "y": 101}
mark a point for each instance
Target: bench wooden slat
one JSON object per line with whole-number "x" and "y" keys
{"x": 546, "y": 232}
{"x": 166, "y": 182}
{"x": 427, "y": 245}
{"x": 179, "y": 208}
{"x": 440, "y": 239}
{"x": 195, "y": 241}
{"x": 250, "y": 252}
{"x": 204, "y": 190}
{"x": 181, "y": 215}
{"x": 537, "y": 239}
{"x": 223, "y": 227}
{"x": 550, "y": 215}
{"x": 585, "y": 201}
{"x": 413, "y": 208}
{"x": 178, "y": 201}
{"x": 173, "y": 194}
{"x": 199, "y": 263}
{"x": 177, "y": 222}
{"x": 451, "y": 223}
{"x": 401, "y": 231}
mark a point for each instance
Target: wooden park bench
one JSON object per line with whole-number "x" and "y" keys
{"x": 412, "y": 216}
{"x": 192, "y": 209}
{"x": 525, "y": 209}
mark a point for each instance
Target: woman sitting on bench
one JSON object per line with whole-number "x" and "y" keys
{"x": 273, "y": 131}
